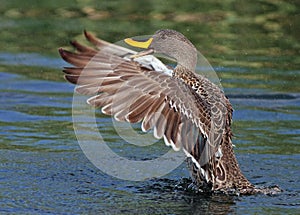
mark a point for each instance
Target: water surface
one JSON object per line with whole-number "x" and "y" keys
{"x": 254, "y": 47}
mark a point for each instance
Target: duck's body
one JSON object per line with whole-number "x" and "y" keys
{"x": 222, "y": 172}
{"x": 195, "y": 115}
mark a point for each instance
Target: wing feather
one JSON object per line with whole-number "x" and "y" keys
{"x": 132, "y": 92}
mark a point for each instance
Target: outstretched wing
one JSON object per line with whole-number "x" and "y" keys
{"x": 134, "y": 92}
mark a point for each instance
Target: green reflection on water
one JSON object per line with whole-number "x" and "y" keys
{"x": 227, "y": 32}
{"x": 38, "y": 136}
{"x": 265, "y": 137}
{"x": 35, "y": 72}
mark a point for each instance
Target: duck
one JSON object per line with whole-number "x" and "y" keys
{"x": 184, "y": 108}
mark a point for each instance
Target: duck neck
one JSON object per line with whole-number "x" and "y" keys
{"x": 187, "y": 59}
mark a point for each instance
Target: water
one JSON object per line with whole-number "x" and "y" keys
{"x": 44, "y": 171}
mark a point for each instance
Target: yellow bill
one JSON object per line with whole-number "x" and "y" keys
{"x": 139, "y": 44}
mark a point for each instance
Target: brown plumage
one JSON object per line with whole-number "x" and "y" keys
{"x": 186, "y": 109}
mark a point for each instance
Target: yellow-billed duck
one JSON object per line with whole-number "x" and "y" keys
{"x": 194, "y": 114}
